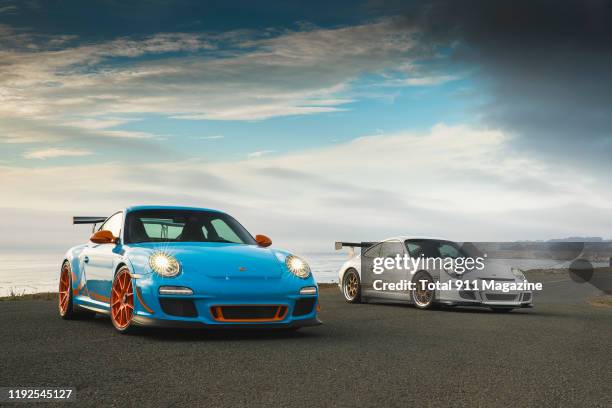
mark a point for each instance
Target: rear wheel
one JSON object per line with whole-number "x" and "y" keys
{"x": 122, "y": 301}
{"x": 351, "y": 286}
{"x": 65, "y": 293}
{"x": 422, "y": 295}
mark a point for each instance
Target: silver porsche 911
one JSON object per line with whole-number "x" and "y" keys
{"x": 398, "y": 270}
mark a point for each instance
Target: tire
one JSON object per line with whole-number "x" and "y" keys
{"x": 501, "y": 309}
{"x": 351, "y": 286}
{"x": 64, "y": 301}
{"x": 122, "y": 302}
{"x": 422, "y": 298}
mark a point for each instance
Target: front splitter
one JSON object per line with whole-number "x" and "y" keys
{"x": 151, "y": 322}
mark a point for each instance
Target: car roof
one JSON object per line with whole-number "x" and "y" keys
{"x": 405, "y": 237}
{"x": 168, "y": 207}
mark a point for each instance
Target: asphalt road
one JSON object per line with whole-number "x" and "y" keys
{"x": 364, "y": 355}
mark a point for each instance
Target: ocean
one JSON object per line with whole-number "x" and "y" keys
{"x": 39, "y": 272}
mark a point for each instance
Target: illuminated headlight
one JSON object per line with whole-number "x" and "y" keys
{"x": 164, "y": 264}
{"x": 518, "y": 274}
{"x": 297, "y": 266}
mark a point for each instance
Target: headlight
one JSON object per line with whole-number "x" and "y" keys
{"x": 297, "y": 266}
{"x": 519, "y": 274}
{"x": 164, "y": 264}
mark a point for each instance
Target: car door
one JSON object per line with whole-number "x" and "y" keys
{"x": 392, "y": 249}
{"x": 99, "y": 261}
{"x": 367, "y": 275}
{"x": 447, "y": 250}
{"x": 426, "y": 255}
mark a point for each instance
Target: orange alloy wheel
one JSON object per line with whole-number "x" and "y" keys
{"x": 122, "y": 300}
{"x": 64, "y": 290}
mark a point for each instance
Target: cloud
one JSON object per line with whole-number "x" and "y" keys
{"x": 454, "y": 181}
{"x": 259, "y": 153}
{"x": 21, "y": 130}
{"x": 54, "y": 152}
{"x": 8, "y": 9}
{"x": 126, "y": 133}
{"x": 240, "y": 75}
{"x": 425, "y": 81}
{"x": 257, "y": 112}
{"x": 544, "y": 70}
{"x": 99, "y": 123}
{"x": 213, "y": 137}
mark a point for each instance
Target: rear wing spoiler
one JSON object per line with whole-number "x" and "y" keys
{"x": 352, "y": 245}
{"x": 339, "y": 245}
{"x": 88, "y": 220}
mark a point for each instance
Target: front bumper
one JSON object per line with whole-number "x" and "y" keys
{"x": 487, "y": 299}
{"x": 200, "y": 308}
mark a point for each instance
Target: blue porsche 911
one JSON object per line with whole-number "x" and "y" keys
{"x": 181, "y": 266}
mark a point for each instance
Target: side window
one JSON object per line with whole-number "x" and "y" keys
{"x": 448, "y": 251}
{"x": 113, "y": 224}
{"x": 373, "y": 252}
{"x": 391, "y": 249}
{"x": 224, "y": 231}
{"x": 414, "y": 250}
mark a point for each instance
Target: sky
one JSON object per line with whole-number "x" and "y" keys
{"x": 309, "y": 122}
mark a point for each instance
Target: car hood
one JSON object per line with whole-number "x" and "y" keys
{"x": 217, "y": 260}
{"x": 493, "y": 270}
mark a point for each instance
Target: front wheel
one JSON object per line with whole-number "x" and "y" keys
{"x": 122, "y": 301}
{"x": 422, "y": 295}
{"x": 351, "y": 286}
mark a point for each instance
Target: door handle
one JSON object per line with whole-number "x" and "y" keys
{"x": 86, "y": 259}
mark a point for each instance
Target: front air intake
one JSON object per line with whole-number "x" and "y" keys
{"x": 248, "y": 313}
{"x": 304, "y": 306}
{"x": 178, "y": 307}
{"x": 500, "y": 297}
{"x": 467, "y": 294}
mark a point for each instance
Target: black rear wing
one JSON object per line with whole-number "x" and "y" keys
{"x": 88, "y": 220}
{"x": 352, "y": 245}
{"x": 339, "y": 245}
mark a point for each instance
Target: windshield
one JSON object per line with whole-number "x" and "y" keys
{"x": 184, "y": 226}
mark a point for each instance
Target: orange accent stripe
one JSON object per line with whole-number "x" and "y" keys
{"x": 318, "y": 307}
{"x": 217, "y": 314}
{"x": 80, "y": 287}
{"x": 142, "y": 302}
{"x": 99, "y": 297}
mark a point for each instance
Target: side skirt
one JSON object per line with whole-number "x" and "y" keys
{"x": 94, "y": 309}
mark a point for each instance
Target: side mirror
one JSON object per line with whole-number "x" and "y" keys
{"x": 263, "y": 241}
{"x": 103, "y": 237}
